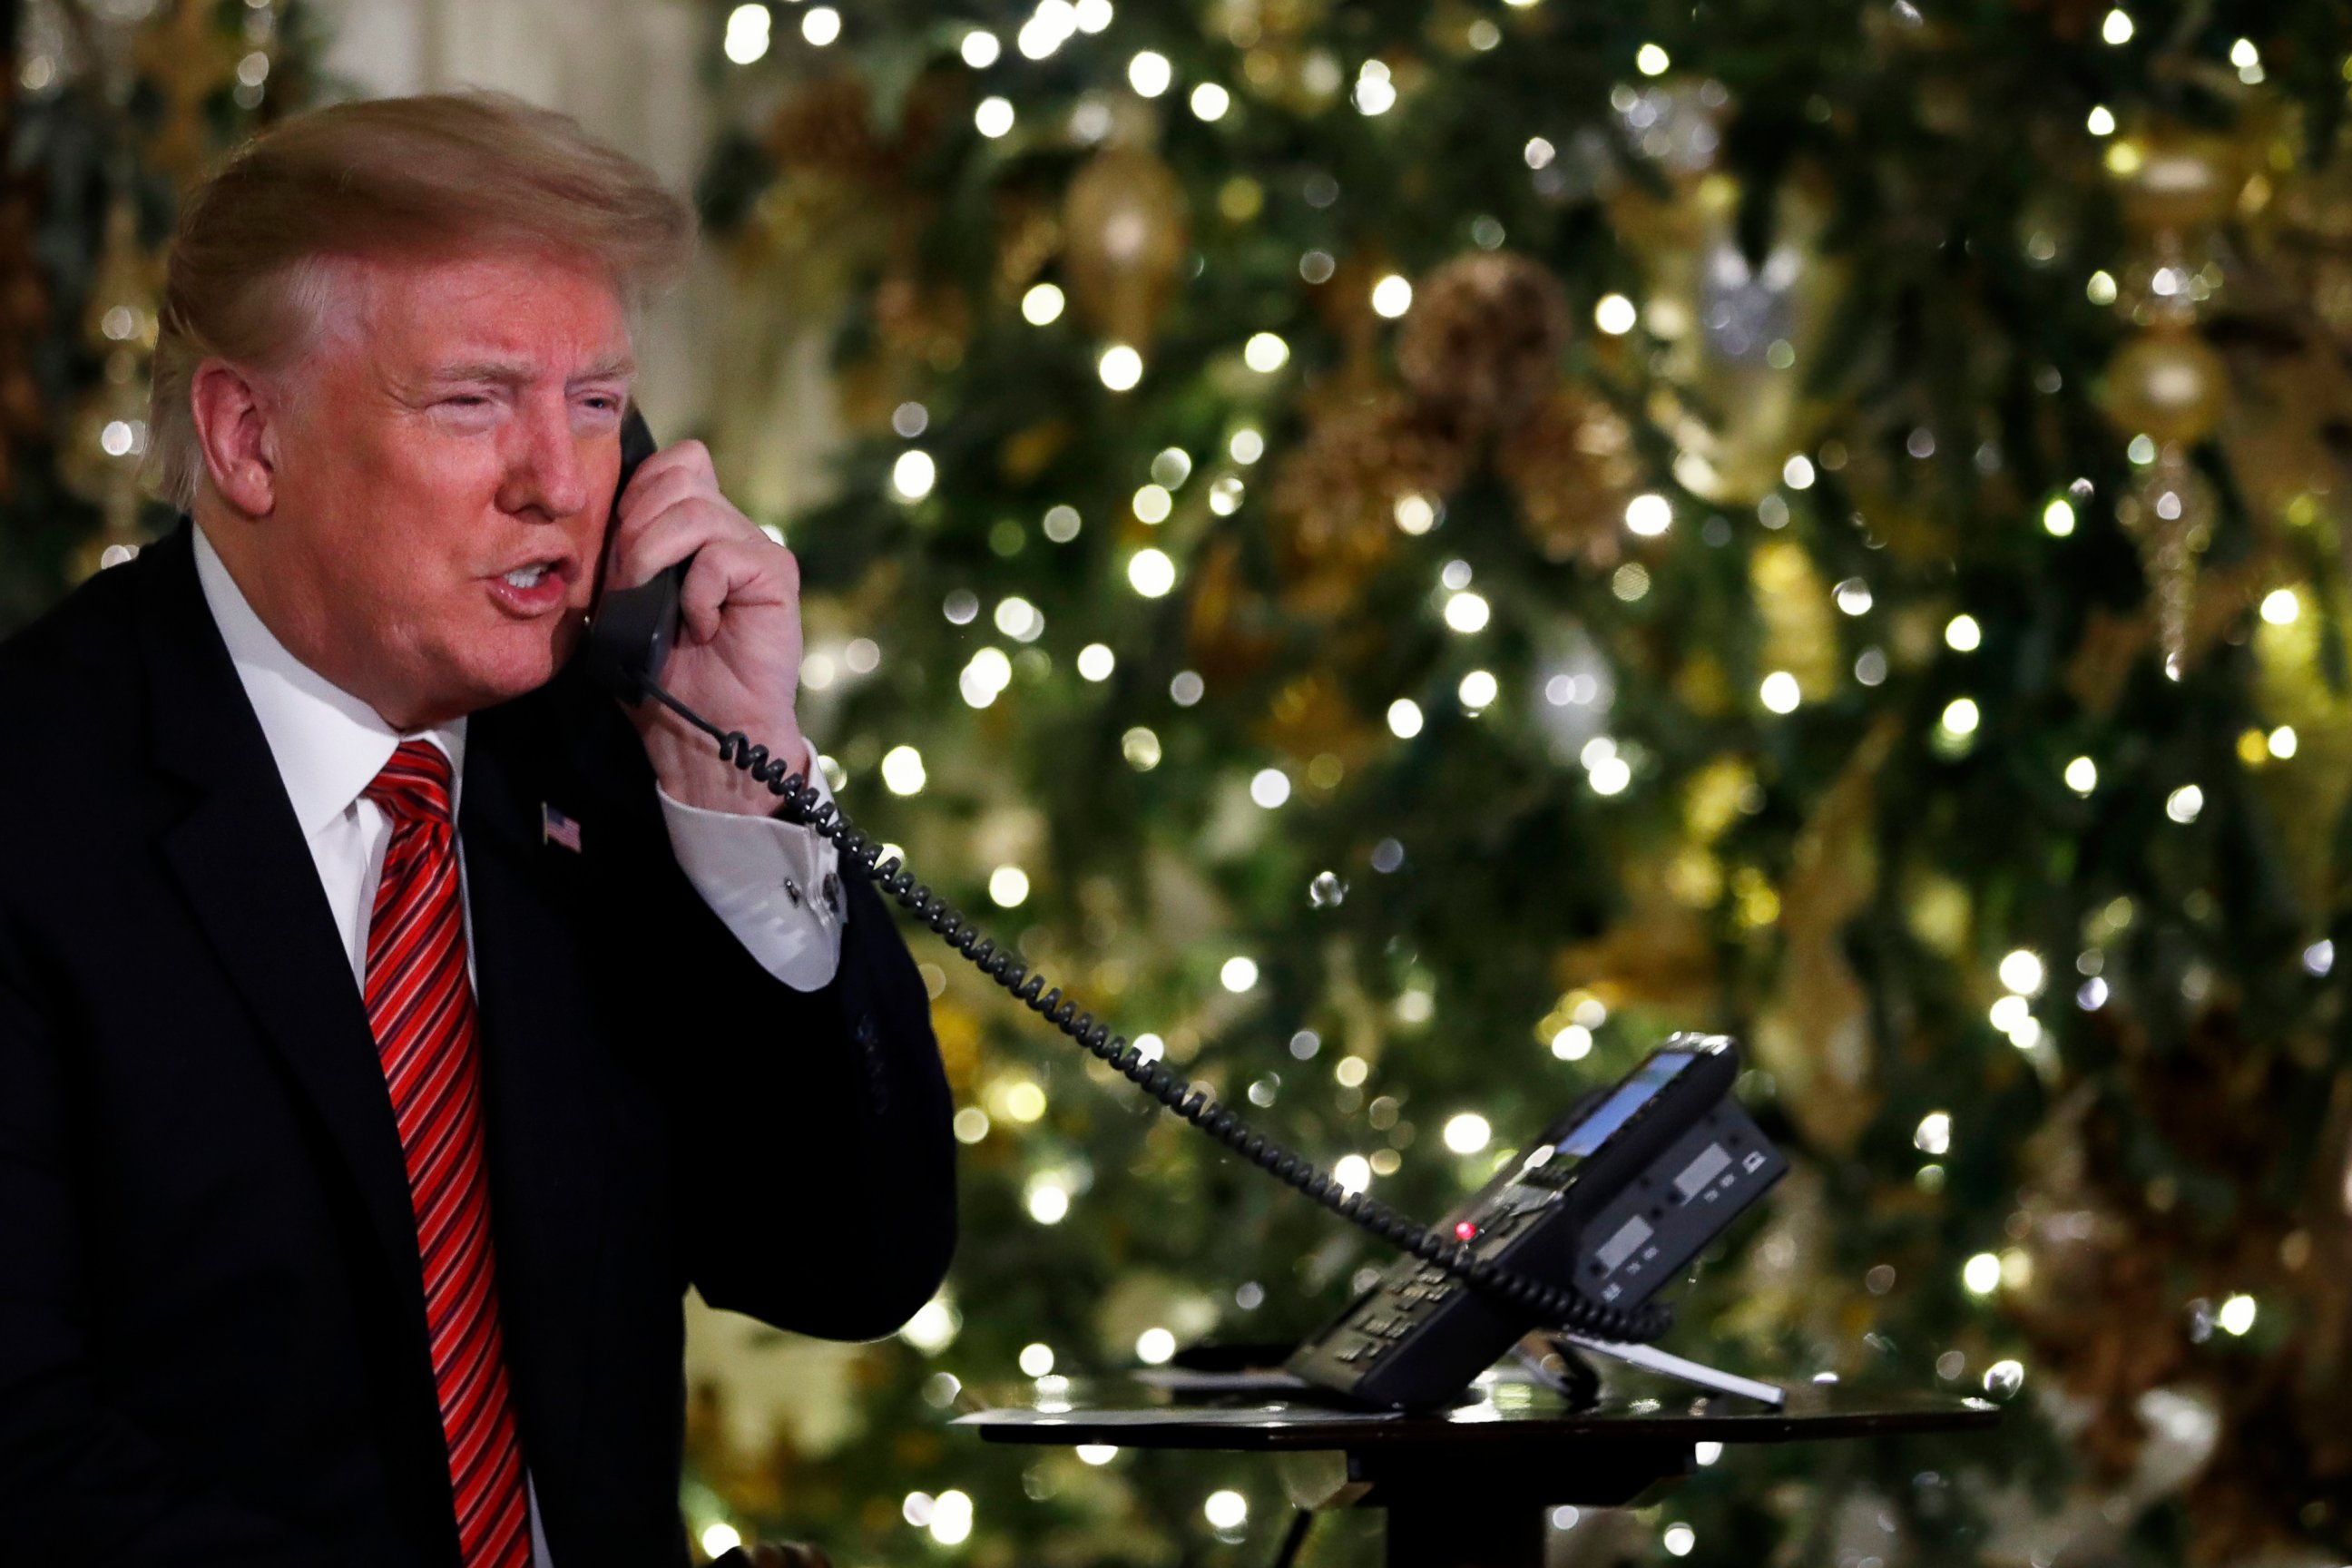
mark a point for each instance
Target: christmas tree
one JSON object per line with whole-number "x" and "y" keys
{"x": 112, "y": 112}
{"x": 1408, "y": 550}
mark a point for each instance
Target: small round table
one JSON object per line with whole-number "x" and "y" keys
{"x": 1465, "y": 1488}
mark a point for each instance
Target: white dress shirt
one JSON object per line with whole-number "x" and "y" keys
{"x": 767, "y": 879}
{"x": 772, "y": 883}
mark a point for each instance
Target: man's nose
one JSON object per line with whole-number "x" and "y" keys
{"x": 544, "y": 473}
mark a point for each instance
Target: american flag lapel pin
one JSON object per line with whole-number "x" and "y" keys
{"x": 555, "y": 827}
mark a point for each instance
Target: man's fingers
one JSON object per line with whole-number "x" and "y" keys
{"x": 760, "y": 573}
{"x": 669, "y": 536}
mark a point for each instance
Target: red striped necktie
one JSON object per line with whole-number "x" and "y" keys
{"x": 420, "y": 1006}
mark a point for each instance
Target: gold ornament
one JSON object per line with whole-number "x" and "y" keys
{"x": 1571, "y": 467}
{"x": 1227, "y": 620}
{"x": 824, "y": 129}
{"x": 2169, "y": 514}
{"x": 187, "y": 57}
{"x": 1482, "y": 344}
{"x": 1813, "y": 1031}
{"x": 1740, "y": 333}
{"x": 2166, "y": 382}
{"x": 1310, "y": 716}
{"x": 1335, "y": 503}
{"x": 2179, "y": 180}
{"x": 1125, "y": 217}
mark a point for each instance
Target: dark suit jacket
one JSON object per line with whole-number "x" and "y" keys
{"x": 212, "y": 1330}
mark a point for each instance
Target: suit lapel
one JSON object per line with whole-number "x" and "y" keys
{"x": 547, "y": 1191}
{"x": 241, "y": 860}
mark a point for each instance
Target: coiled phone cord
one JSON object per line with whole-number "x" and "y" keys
{"x": 1549, "y": 1303}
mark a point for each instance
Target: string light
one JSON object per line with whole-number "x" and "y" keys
{"x": 2280, "y": 606}
{"x": 1120, "y": 367}
{"x": 747, "y": 37}
{"x": 1042, "y": 305}
{"x": 1266, "y": 354}
{"x": 1796, "y": 473}
{"x": 980, "y": 49}
{"x": 1778, "y": 693}
{"x": 1468, "y": 1132}
{"x": 951, "y": 1519}
{"x": 821, "y": 26}
{"x": 1934, "y": 1134}
{"x": 1615, "y": 314}
{"x": 1096, "y": 661}
{"x": 1227, "y": 1509}
{"x": 1466, "y": 612}
{"x": 2100, "y": 121}
{"x": 2058, "y": 518}
{"x": 2081, "y": 775}
{"x": 1962, "y": 634}
{"x": 2236, "y": 1316}
{"x": 1149, "y": 73}
{"x": 902, "y": 770}
{"x": 912, "y": 476}
{"x": 1649, "y": 515}
{"x": 1651, "y": 60}
{"x": 2022, "y": 972}
{"x": 2117, "y": 29}
{"x": 1391, "y": 297}
{"x": 993, "y": 117}
{"x": 1150, "y": 573}
{"x": 1210, "y": 102}
{"x": 1982, "y": 1274}
{"x": 1404, "y": 718}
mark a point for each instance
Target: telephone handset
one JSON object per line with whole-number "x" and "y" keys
{"x": 630, "y": 634}
{"x": 628, "y": 639}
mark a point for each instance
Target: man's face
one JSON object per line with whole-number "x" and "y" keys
{"x": 443, "y": 471}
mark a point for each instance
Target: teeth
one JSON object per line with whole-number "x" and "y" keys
{"x": 528, "y": 576}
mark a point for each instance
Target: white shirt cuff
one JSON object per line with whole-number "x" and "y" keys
{"x": 775, "y": 884}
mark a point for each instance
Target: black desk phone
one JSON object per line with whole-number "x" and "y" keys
{"x": 1578, "y": 1236}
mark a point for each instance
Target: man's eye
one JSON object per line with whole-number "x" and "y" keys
{"x": 466, "y": 400}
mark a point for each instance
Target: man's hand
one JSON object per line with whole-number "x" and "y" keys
{"x": 736, "y": 661}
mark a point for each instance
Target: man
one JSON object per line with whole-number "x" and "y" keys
{"x": 389, "y": 1033}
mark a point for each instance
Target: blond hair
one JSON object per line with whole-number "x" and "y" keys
{"x": 443, "y": 174}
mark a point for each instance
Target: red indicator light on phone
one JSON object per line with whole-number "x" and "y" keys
{"x": 1464, "y": 1231}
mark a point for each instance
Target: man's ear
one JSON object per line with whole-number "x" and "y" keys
{"x": 234, "y": 432}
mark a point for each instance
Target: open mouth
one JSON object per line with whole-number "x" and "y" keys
{"x": 534, "y": 588}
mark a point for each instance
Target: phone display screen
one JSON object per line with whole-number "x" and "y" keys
{"x": 1630, "y": 1097}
